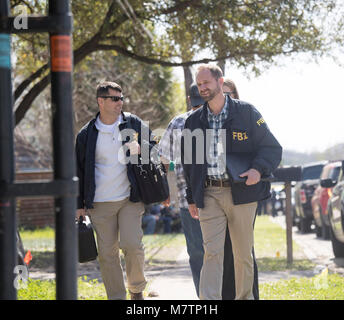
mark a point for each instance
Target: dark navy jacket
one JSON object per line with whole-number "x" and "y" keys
{"x": 85, "y": 148}
{"x": 246, "y": 133}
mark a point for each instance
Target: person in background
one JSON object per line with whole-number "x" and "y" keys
{"x": 149, "y": 221}
{"x": 166, "y": 216}
{"x": 230, "y": 88}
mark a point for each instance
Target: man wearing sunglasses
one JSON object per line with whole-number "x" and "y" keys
{"x": 108, "y": 191}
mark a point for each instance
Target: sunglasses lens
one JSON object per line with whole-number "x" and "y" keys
{"x": 117, "y": 98}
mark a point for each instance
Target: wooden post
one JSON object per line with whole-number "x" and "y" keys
{"x": 289, "y": 223}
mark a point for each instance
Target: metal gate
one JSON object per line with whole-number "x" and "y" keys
{"x": 64, "y": 187}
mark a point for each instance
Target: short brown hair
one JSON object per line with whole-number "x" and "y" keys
{"x": 215, "y": 70}
{"x": 103, "y": 88}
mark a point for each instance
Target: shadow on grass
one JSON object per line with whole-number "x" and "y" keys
{"x": 268, "y": 264}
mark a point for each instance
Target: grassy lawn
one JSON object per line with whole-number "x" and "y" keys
{"x": 162, "y": 250}
{"x": 320, "y": 287}
{"x": 45, "y": 290}
{"x": 271, "y": 254}
{"x": 271, "y": 248}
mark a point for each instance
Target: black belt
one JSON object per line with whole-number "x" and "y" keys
{"x": 217, "y": 183}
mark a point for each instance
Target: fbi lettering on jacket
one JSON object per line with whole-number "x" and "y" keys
{"x": 239, "y": 135}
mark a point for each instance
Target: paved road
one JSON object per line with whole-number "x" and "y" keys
{"x": 174, "y": 283}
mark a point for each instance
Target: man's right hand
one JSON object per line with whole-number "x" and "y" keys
{"x": 81, "y": 213}
{"x": 193, "y": 211}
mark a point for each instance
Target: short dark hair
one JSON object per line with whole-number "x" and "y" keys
{"x": 103, "y": 88}
{"x": 215, "y": 70}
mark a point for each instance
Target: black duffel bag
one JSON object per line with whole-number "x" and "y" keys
{"x": 87, "y": 244}
{"x": 152, "y": 182}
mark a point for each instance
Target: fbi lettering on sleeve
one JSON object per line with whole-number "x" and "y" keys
{"x": 61, "y": 53}
{"x": 260, "y": 121}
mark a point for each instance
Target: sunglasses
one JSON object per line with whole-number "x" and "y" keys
{"x": 113, "y": 98}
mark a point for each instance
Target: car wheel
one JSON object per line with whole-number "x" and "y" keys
{"x": 318, "y": 227}
{"x": 325, "y": 229}
{"x": 318, "y": 231}
{"x": 337, "y": 246}
{"x": 326, "y": 232}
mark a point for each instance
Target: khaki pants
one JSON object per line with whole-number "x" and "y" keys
{"x": 118, "y": 226}
{"x": 217, "y": 212}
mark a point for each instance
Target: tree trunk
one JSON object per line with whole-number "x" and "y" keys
{"x": 222, "y": 65}
{"x": 25, "y": 104}
{"x": 187, "y": 82}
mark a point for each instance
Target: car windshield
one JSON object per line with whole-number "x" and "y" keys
{"x": 334, "y": 174}
{"x": 312, "y": 172}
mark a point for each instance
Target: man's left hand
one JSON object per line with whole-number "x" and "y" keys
{"x": 253, "y": 176}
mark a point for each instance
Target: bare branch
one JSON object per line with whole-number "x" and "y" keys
{"x": 144, "y": 59}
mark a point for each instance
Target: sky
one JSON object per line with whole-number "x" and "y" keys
{"x": 302, "y": 103}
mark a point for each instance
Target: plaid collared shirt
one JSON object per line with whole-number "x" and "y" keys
{"x": 217, "y": 157}
{"x": 170, "y": 149}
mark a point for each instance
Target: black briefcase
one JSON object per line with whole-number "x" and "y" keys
{"x": 152, "y": 182}
{"x": 87, "y": 244}
{"x": 238, "y": 163}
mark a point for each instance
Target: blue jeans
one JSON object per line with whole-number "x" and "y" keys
{"x": 148, "y": 223}
{"x": 167, "y": 224}
{"x": 194, "y": 244}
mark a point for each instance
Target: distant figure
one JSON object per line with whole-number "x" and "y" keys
{"x": 261, "y": 209}
{"x": 149, "y": 221}
{"x": 166, "y": 216}
{"x": 273, "y": 203}
{"x": 230, "y": 88}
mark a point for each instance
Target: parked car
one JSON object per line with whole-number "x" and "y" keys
{"x": 303, "y": 193}
{"x": 320, "y": 199}
{"x": 336, "y": 213}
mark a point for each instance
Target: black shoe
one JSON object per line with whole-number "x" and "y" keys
{"x": 136, "y": 296}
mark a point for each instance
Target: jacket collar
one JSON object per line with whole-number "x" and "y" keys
{"x": 124, "y": 118}
{"x": 231, "y": 110}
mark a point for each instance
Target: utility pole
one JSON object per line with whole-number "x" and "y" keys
{"x": 64, "y": 187}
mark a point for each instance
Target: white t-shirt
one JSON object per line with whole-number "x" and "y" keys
{"x": 111, "y": 178}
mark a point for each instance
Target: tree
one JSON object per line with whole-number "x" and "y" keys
{"x": 149, "y": 90}
{"x": 249, "y": 34}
